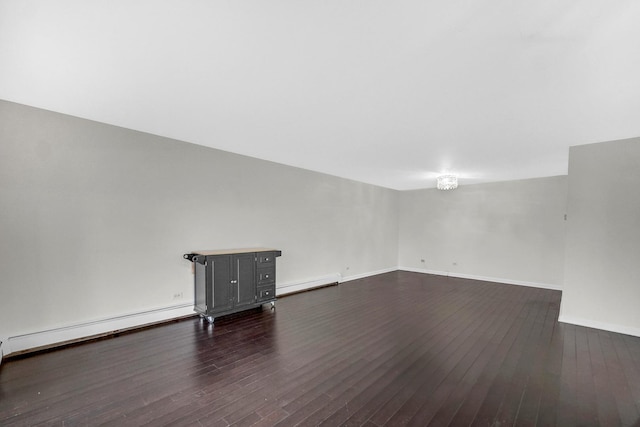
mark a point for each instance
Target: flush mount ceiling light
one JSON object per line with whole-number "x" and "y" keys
{"x": 447, "y": 182}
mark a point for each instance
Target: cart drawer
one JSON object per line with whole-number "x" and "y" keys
{"x": 266, "y": 293}
{"x": 266, "y": 259}
{"x": 266, "y": 276}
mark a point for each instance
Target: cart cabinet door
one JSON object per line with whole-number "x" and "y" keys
{"x": 244, "y": 274}
{"x": 220, "y": 288}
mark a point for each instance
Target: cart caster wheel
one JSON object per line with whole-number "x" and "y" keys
{"x": 273, "y": 305}
{"x": 210, "y": 319}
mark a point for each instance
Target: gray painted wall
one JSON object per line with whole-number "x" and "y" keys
{"x": 602, "y": 281}
{"x": 505, "y": 231}
{"x": 95, "y": 218}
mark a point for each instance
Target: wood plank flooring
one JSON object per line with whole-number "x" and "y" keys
{"x": 395, "y": 349}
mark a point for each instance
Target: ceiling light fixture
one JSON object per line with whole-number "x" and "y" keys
{"x": 447, "y": 182}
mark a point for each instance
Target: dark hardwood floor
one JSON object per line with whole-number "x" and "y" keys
{"x": 395, "y": 349}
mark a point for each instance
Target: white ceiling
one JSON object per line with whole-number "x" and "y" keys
{"x": 391, "y": 93}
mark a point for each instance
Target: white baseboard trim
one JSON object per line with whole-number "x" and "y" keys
{"x": 611, "y": 327}
{"x": 483, "y": 278}
{"x": 369, "y": 274}
{"x": 318, "y": 282}
{"x": 21, "y": 343}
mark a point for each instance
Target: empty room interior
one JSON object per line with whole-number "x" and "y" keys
{"x": 445, "y": 191}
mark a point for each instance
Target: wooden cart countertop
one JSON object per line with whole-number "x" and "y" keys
{"x": 234, "y": 251}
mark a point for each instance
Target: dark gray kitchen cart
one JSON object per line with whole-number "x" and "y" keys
{"x": 232, "y": 280}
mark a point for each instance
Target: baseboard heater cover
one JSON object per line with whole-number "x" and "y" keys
{"x": 331, "y": 279}
{"x": 42, "y": 340}
{"x": 320, "y": 282}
